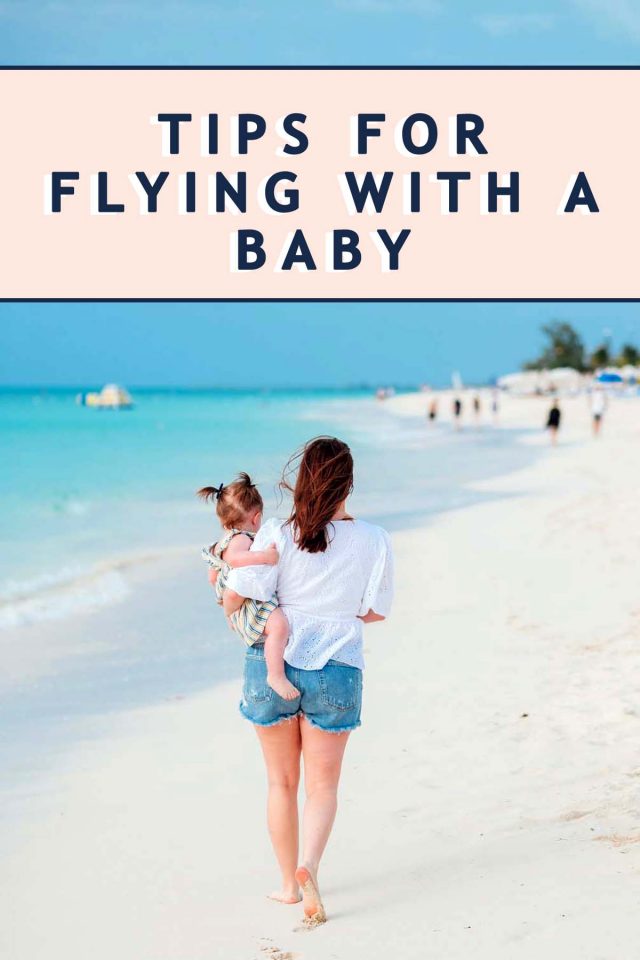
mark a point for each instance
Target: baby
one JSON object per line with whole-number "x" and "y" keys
{"x": 239, "y": 507}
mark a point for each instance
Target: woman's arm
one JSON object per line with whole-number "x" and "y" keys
{"x": 379, "y": 590}
{"x": 371, "y": 617}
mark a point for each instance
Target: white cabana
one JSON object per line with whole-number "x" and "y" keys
{"x": 561, "y": 379}
{"x": 629, "y": 373}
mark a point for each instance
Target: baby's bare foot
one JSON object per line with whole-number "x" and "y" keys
{"x": 311, "y": 900}
{"x": 286, "y": 895}
{"x": 282, "y": 687}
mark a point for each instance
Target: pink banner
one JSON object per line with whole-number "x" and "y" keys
{"x": 276, "y": 183}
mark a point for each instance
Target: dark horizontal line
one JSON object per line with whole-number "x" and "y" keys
{"x": 319, "y": 299}
{"x": 404, "y": 67}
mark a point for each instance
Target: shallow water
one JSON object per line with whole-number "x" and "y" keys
{"x": 104, "y": 604}
{"x": 88, "y": 492}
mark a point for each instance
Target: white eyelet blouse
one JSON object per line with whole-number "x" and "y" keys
{"x": 323, "y": 594}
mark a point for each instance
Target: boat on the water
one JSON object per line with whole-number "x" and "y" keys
{"x": 111, "y": 397}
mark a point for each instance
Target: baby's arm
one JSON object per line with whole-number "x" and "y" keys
{"x": 239, "y": 554}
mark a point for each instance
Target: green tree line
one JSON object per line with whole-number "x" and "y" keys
{"x": 563, "y": 347}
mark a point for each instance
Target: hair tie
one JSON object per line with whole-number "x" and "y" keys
{"x": 218, "y": 491}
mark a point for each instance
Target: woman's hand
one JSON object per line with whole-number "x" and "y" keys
{"x": 371, "y": 617}
{"x": 231, "y": 601}
{"x": 271, "y": 555}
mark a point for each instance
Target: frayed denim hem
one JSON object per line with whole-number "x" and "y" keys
{"x": 346, "y": 729}
{"x": 280, "y": 720}
{"x": 266, "y": 723}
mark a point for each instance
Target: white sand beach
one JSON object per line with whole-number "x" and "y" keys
{"x": 490, "y": 804}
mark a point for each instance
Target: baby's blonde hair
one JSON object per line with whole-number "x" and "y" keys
{"x": 235, "y": 501}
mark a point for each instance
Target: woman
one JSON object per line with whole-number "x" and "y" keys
{"x": 334, "y": 574}
{"x": 553, "y": 421}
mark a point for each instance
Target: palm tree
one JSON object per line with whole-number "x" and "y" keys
{"x": 564, "y": 348}
{"x": 628, "y": 355}
{"x": 600, "y": 357}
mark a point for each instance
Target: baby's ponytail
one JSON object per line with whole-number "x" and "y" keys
{"x": 210, "y": 493}
{"x": 243, "y": 480}
{"x": 235, "y": 501}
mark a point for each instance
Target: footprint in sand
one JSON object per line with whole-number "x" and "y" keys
{"x": 275, "y": 953}
{"x": 574, "y": 815}
{"x": 620, "y": 840}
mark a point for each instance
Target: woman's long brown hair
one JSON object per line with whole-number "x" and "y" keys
{"x": 324, "y": 480}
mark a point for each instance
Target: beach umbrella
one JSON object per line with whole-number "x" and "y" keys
{"x": 608, "y": 377}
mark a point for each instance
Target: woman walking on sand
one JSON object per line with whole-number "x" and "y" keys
{"x": 456, "y": 408}
{"x": 553, "y": 421}
{"x": 333, "y": 575}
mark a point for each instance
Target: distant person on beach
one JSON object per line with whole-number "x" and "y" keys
{"x": 334, "y": 575}
{"x": 495, "y": 405}
{"x": 457, "y": 411}
{"x": 553, "y": 421}
{"x": 477, "y": 407}
{"x": 598, "y": 410}
{"x": 383, "y": 393}
{"x": 432, "y": 411}
{"x": 239, "y": 508}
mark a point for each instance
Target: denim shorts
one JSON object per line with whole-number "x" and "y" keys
{"x": 330, "y": 699}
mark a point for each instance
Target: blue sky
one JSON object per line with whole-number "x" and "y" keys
{"x": 319, "y": 31}
{"x": 295, "y": 344}
{"x": 284, "y": 344}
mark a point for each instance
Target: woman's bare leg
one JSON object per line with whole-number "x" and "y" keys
{"x": 281, "y": 748}
{"x": 276, "y": 634}
{"x": 322, "y": 753}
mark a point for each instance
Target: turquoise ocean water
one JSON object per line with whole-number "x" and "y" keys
{"x": 85, "y": 491}
{"x": 104, "y": 603}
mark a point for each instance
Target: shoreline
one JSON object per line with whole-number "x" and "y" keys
{"x": 96, "y": 652}
{"x": 42, "y": 596}
{"x": 122, "y": 649}
{"x": 70, "y": 600}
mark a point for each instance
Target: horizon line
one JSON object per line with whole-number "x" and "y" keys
{"x": 281, "y": 388}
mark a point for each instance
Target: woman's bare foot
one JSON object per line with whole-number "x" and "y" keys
{"x": 287, "y": 895}
{"x": 282, "y": 687}
{"x": 312, "y": 903}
